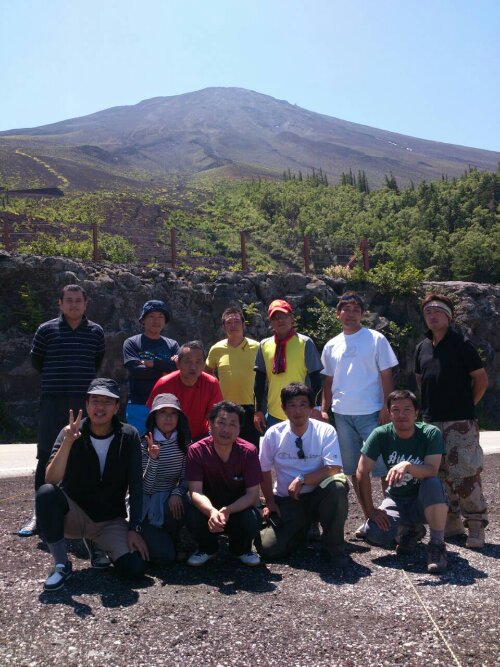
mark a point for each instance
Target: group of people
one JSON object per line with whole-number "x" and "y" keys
{"x": 240, "y": 441}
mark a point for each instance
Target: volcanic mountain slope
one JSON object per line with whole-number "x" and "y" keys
{"x": 222, "y": 132}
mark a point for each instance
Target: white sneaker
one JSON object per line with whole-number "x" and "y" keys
{"x": 58, "y": 576}
{"x": 251, "y": 558}
{"x": 199, "y": 558}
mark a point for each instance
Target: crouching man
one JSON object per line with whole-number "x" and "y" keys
{"x": 94, "y": 462}
{"x": 224, "y": 477}
{"x": 310, "y": 484}
{"x": 415, "y": 495}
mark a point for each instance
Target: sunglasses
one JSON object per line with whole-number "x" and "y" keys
{"x": 300, "y": 449}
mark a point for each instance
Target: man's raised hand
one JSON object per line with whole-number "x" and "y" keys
{"x": 72, "y": 430}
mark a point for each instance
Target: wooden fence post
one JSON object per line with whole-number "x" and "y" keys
{"x": 306, "y": 255}
{"x": 363, "y": 246}
{"x": 95, "y": 243}
{"x": 243, "y": 240}
{"x": 173, "y": 248}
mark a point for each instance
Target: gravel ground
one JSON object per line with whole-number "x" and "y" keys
{"x": 385, "y": 610}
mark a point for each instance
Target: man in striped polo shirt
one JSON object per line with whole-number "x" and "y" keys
{"x": 67, "y": 351}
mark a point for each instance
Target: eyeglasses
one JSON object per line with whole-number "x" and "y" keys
{"x": 300, "y": 450}
{"x": 102, "y": 401}
{"x": 280, "y": 316}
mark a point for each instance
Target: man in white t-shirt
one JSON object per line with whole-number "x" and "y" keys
{"x": 305, "y": 456}
{"x": 357, "y": 373}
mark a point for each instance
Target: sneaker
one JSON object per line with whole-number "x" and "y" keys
{"x": 475, "y": 539}
{"x": 30, "y": 528}
{"x": 436, "y": 558}
{"x": 98, "y": 558}
{"x": 360, "y": 533}
{"x": 408, "y": 537}
{"x": 454, "y": 526}
{"x": 199, "y": 558}
{"x": 251, "y": 559}
{"x": 57, "y": 576}
{"x": 314, "y": 534}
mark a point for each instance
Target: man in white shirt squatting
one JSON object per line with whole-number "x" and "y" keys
{"x": 310, "y": 485}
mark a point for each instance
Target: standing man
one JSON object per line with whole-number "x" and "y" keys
{"x": 358, "y": 367}
{"x": 197, "y": 391}
{"x": 147, "y": 357}
{"x": 94, "y": 463}
{"x": 224, "y": 477}
{"x": 305, "y": 456}
{"x": 66, "y": 351}
{"x": 233, "y": 361}
{"x": 452, "y": 381}
{"x": 286, "y": 357}
{"x": 412, "y": 452}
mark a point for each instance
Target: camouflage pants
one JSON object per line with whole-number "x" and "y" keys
{"x": 461, "y": 469}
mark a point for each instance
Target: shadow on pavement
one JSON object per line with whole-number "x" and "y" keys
{"x": 113, "y": 591}
{"x": 459, "y": 573}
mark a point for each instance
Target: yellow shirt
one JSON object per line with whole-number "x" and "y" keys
{"x": 302, "y": 358}
{"x": 235, "y": 369}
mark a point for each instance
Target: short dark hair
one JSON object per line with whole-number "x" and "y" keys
{"x": 350, "y": 296}
{"x": 226, "y": 406}
{"x": 401, "y": 395}
{"x": 437, "y": 297}
{"x": 295, "y": 389}
{"x": 191, "y": 345}
{"x": 73, "y": 288}
{"x": 233, "y": 310}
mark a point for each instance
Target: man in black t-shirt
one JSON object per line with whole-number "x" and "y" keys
{"x": 452, "y": 380}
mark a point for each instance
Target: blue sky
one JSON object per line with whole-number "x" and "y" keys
{"x": 426, "y": 68}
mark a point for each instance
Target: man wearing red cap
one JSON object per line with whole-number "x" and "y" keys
{"x": 452, "y": 381}
{"x": 286, "y": 357}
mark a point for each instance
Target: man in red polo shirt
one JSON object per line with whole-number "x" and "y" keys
{"x": 197, "y": 391}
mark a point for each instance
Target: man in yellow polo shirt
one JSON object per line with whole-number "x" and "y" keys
{"x": 233, "y": 360}
{"x": 286, "y": 357}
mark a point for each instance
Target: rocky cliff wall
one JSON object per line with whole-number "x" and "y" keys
{"x": 29, "y": 287}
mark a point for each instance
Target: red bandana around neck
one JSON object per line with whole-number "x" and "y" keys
{"x": 279, "y": 361}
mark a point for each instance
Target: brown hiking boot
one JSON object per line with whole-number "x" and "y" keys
{"x": 408, "y": 537}
{"x": 454, "y": 526}
{"x": 475, "y": 539}
{"x": 436, "y": 558}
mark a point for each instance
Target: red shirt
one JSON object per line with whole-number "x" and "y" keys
{"x": 223, "y": 482}
{"x": 196, "y": 401}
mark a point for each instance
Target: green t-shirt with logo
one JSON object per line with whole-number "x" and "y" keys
{"x": 426, "y": 440}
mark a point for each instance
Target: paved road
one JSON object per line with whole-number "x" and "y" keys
{"x": 18, "y": 460}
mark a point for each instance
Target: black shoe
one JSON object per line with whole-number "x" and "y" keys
{"x": 337, "y": 560}
{"x": 408, "y": 537}
{"x": 29, "y": 529}
{"x": 58, "y": 576}
{"x": 98, "y": 558}
{"x": 436, "y": 558}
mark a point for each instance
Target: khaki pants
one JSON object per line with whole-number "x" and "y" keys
{"x": 461, "y": 469}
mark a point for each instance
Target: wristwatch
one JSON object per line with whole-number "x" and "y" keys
{"x": 301, "y": 479}
{"x": 137, "y": 528}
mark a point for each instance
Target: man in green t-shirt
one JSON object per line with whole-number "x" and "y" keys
{"x": 415, "y": 495}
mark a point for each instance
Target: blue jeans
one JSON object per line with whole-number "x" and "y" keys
{"x": 353, "y": 431}
{"x": 408, "y": 511}
{"x": 136, "y": 415}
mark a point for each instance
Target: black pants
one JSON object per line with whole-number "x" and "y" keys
{"x": 54, "y": 415}
{"x": 248, "y": 430}
{"x": 242, "y": 528}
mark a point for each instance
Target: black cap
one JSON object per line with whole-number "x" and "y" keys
{"x": 104, "y": 387}
{"x": 155, "y": 306}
